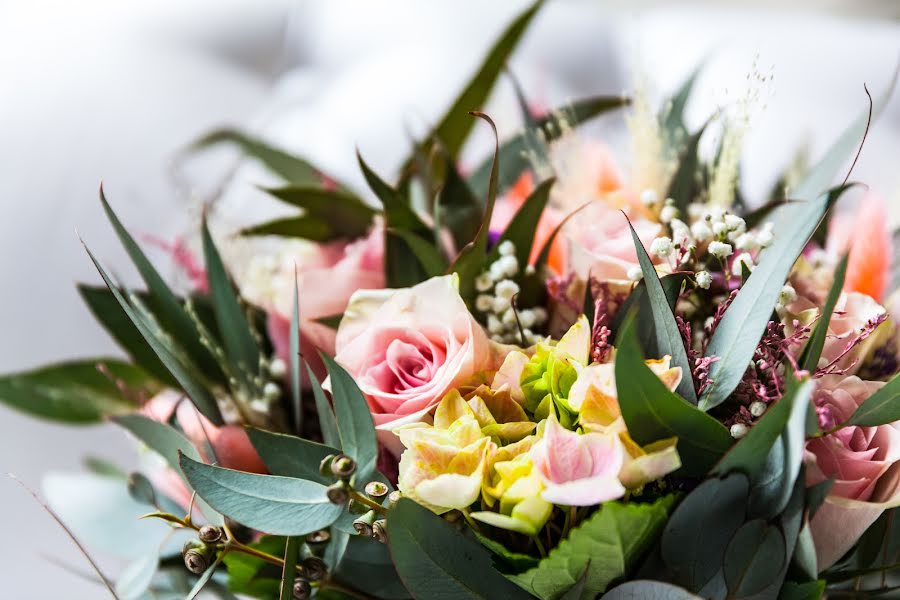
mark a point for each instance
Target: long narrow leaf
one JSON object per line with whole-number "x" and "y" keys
{"x": 430, "y": 258}
{"x": 881, "y": 407}
{"x": 296, "y": 359}
{"x": 813, "y": 350}
{"x": 289, "y": 571}
{"x": 346, "y": 215}
{"x": 327, "y": 421}
{"x": 521, "y": 229}
{"x": 204, "y": 579}
{"x": 354, "y": 419}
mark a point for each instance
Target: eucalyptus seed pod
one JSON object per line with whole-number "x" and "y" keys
{"x": 315, "y": 567}
{"x": 343, "y": 467}
{"x": 379, "y": 531}
{"x": 210, "y": 534}
{"x": 317, "y": 538}
{"x": 394, "y": 498}
{"x": 376, "y": 490}
{"x": 338, "y": 493}
{"x": 325, "y": 465}
{"x": 301, "y": 590}
{"x": 197, "y": 556}
{"x": 363, "y": 525}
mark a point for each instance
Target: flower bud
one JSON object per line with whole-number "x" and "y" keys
{"x": 379, "y": 531}
{"x": 325, "y": 465}
{"x": 301, "y": 590}
{"x": 318, "y": 537}
{"x": 376, "y": 490}
{"x": 315, "y": 568}
{"x": 197, "y": 556}
{"x": 343, "y": 467}
{"x": 338, "y": 493}
{"x": 363, "y": 525}
{"x": 210, "y": 534}
{"x": 394, "y": 498}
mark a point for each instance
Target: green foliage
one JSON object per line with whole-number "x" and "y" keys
{"x": 653, "y": 413}
{"x": 289, "y": 572}
{"x": 751, "y": 557}
{"x": 252, "y": 576}
{"x": 608, "y": 545}
{"x": 327, "y": 421}
{"x": 524, "y": 223}
{"x": 667, "y": 336}
{"x": 354, "y": 419}
{"x": 437, "y": 562}
{"x": 78, "y": 392}
{"x": 366, "y": 565}
{"x": 267, "y": 503}
{"x": 811, "y": 590}
{"x": 813, "y": 350}
{"x": 881, "y": 407}
{"x": 291, "y": 456}
{"x": 648, "y": 590}
{"x": 685, "y": 186}
{"x": 430, "y": 258}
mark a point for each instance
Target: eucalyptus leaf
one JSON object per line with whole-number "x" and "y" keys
{"x": 654, "y": 413}
{"x": 685, "y": 184}
{"x": 290, "y": 456}
{"x": 267, "y": 503}
{"x": 366, "y": 565}
{"x": 753, "y": 559}
{"x": 648, "y": 590}
{"x": 327, "y": 420}
{"x": 437, "y": 562}
{"x": 137, "y": 576}
{"x": 881, "y": 407}
{"x": 354, "y": 419}
{"x": 813, "y": 350}
{"x": 811, "y": 590}
{"x": 78, "y": 392}
{"x": 607, "y": 545}
{"x": 289, "y": 572}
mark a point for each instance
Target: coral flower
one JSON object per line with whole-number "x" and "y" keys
{"x": 865, "y": 234}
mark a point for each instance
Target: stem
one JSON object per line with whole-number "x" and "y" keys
{"x": 368, "y": 502}
{"x": 540, "y": 546}
{"x": 472, "y": 523}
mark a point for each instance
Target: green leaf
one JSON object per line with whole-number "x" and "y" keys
{"x": 429, "y": 256}
{"x": 366, "y": 564}
{"x": 77, "y": 392}
{"x": 653, "y": 413}
{"x": 648, "y": 590}
{"x": 267, "y": 503}
{"x": 811, "y": 590}
{"x": 240, "y": 344}
{"x": 457, "y": 207}
{"x": 813, "y": 350}
{"x": 638, "y": 298}
{"x": 669, "y": 341}
{"x": 345, "y": 214}
{"x": 436, "y": 562}
{"x": 165, "y": 304}
{"x": 881, "y": 407}
{"x": 291, "y": 456}
{"x": 291, "y": 168}
{"x": 685, "y": 186}
{"x": 306, "y": 227}
{"x": 327, "y": 421}
{"x": 524, "y": 224}
{"x": 110, "y": 315}
{"x": 289, "y": 572}
{"x": 576, "y": 591}
{"x": 608, "y": 545}
{"x": 295, "y": 360}
{"x": 738, "y": 333}
{"x": 673, "y": 117}
{"x": 251, "y": 575}
{"x": 753, "y": 559}
{"x": 514, "y": 152}
{"x": 354, "y": 419}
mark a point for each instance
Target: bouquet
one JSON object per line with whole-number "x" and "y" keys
{"x": 533, "y": 378}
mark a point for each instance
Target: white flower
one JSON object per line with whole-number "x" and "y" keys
{"x": 484, "y": 302}
{"x": 680, "y": 229}
{"x": 719, "y": 228}
{"x": 788, "y": 294}
{"x": 506, "y": 289}
{"x": 741, "y": 259}
{"x": 507, "y": 248}
{"x": 765, "y": 236}
{"x": 701, "y": 231}
{"x": 271, "y": 391}
{"x": 661, "y": 246}
{"x": 540, "y": 314}
{"x": 735, "y": 223}
{"x": 635, "y": 274}
{"x": 649, "y": 197}
{"x": 494, "y": 325}
{"x": 746, "y": 241}
{"x": 499, "y": 304}
{"x": 484, "y": 282}
{"x": 509, "y": 265}
{"x": 704, "y": 279}
{"x": 739, "y": 430}
{"x": 277, "y": 368}
{"x": 668, "y": 213}
{"x": 509, "y": 317}
{"x": 720, "y": 249}
{"x": 530, "y": 270}
{"x": 527, "y": 318}
{"x": 757, "y": 409}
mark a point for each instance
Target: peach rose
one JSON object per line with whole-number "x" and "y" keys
{"x": 407, "y": 348}
{"x": 325, "y": 280}
{"x": 863, "y": 462}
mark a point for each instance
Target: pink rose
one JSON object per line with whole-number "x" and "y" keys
{"x": 862, "y": 460}
{"x": 407, "y": 348}
{"x": 325, "y": 282}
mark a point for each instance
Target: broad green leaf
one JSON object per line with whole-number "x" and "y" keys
{"x": 164, "y": 303}
{"x": 183, "y": 372}
{"x": 654, "y": 413}
{"x": 267, "y": 503}
{"x": 437, "y": 562}
{"x": 240, "y": 343}
{"x": 671, "y": 284}
{"x": 524, "y": 224}
{"x": 881, "y": 407}
{"x": 366, "y": 565}
{"x": 327, "y": 421}
{"x": 291, "y": 168}
{"x": 425, "y": 252}
{"x": 648, "y": 590}
{"x": 608, "y": 544}
{"x": 685, "y": 185}
{"x": 346, "y": 215}
{"x": 513, "y": 155}
{"x": 77, "y": 392}
{"x": 813, "y": 350}
{"x": 507, "y": 560}
{"x": 738, "y": 333}
{"x": 306, "y": 228}
{"x": 696, "y": 536}
{"x": 289, "y": 572}
{"x": 168, "y": 443}
{"x": 291, "y": 456}
{"x": 753, "y": 559}
{"x": 576, "y": 591}
{"x": 354, "y": 419}
{"x": 137, "y": 576}
{"x": 811, "y": 590}
{"x": 669, "y": 341}
{"x": 204, "y": 579}
{"x": 110, "y": 315}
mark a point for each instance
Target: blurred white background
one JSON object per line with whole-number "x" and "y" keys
{"x": 102, "y": 90}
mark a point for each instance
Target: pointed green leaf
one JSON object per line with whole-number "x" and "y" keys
{"x": 327, "y": 421}
{"x": 668, "y": 338}
{"x": 881, "y": 407}
{"x": 753, "y": 559}
{"x": 77, "y": 392}
{"x": 685, "y": 186}
{"x": 738, "y": 333}
{"x": 653, "y": 413}
{"x": 354, "y": 419}
{"x": 240, "y": 344}
{"x": 457, "y": 207}
{"x": 267, "y": 503}
{"x": 289, "y": 572}
{"x": 291, "y": 456}
{"x": 436, "y": 562}
{"x": 345, "y": 214}
{"x": 429, "y": 256}
{"x": 524, "y": 224}
{"x": 306, "y": 227}
{"x": 813, "y": 350}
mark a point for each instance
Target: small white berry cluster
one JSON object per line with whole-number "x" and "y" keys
{"x": 757, "y": 409}
{"x": 496, "y": 291}
{"x": 667, "y": 213}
